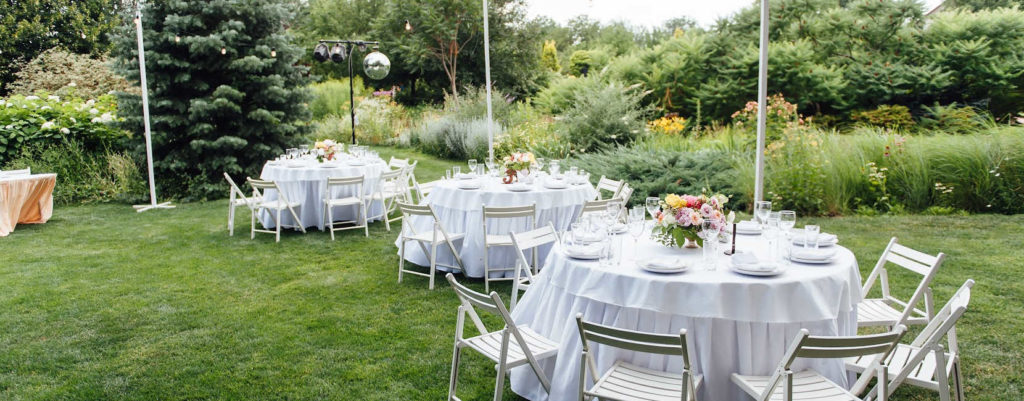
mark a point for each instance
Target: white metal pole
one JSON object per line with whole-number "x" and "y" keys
{"x": 487, "y": 79}
{"x": 762, "y": 105}
{"x": 145, "y": 117}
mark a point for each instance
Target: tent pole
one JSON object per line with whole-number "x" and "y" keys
{"x": 762, "y": 103}
{"x": 487, "y": 76}
{"x": 145, "y": 118}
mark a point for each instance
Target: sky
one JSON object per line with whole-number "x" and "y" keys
{"x": 645, "y": 13}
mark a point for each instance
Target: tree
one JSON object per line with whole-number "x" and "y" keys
{"x": 225, "y": 93}
{"x": 549, "y": 56}
{"x": 27, "y": 28}
{"x": 444, "y": 28}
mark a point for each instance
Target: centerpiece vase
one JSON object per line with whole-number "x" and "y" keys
{"x": 691, "y": 244}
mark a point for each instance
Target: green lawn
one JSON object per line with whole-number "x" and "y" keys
{"x": 102, "y": 303}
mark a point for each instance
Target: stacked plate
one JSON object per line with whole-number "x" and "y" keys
{"x": 824, "y": 239}
{"x": 663, "y": 265}
{"x": 811, "y": 255}
{"x": 356, "y": 162}
{"x": 748, "y": 227}
{"x": 619, "y": 228}
{"x": 469, "y": 184}
{"x": 747, "y": 263}
{"x": 584, "y": 252}
{"x": 555, "y": 184}
{"x": 518, "y": 187}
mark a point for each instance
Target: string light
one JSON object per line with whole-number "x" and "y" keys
{"x": 273, "y": 52}
{"x": 83, "y": 35}
{"x": 177, "y": 39}
{"x": 408, "y": 26}
{"x": 223, "y": 50}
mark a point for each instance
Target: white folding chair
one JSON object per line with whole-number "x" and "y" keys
{"x": 925, "y": 362}
{"x": 237, "y": 198}
{"x": 16, "y": 173}
{"x": 424, "y": 189}
{"x": 628, "y": 382}
{"x": 274, "y": 206}
{"x": 357, "y": 201}
{"x": 608, "y": 184}
{"x": 396, "y": 163}
{"x": 598, "y": 206}
{"x": 529, "y": 241}
{"x": 786, "y": 385}
{"x": 436, "y": 237}
{"x": 410, "y": 179}
{"x": 528, "y": 213}
{"x": 510, "y": 347}
{"x": 888, "y": 310}
{"x": 389, "y": 191}
{"x": 625, "y": 193}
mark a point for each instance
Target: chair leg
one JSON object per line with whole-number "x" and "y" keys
{"x": 231, "y": 220}
{"x": 487, "y": 269}
{"x": 433, "y": 264}
{"x": 454, "y": 379}
{"x": 252, "y": 224}
{"x": 330, "y": 221}
{"x": 958, "y": 381}
{"x": 387, "y": 219}
{"x": 366, "y": 225}
{"x": 499, "y": 382}
{"x": 401, "y": 259}
{"x": 277, "y": 235}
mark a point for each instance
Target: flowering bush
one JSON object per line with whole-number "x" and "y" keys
{"x": 48, "y": 118}
{"x": 781, "y": 116}
{"x": 681, "y": 217}
{"x": 668, "y": 125}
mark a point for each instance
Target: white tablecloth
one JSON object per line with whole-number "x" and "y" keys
{"x": 736, "y": 323}
{"x": 306, "y": 181}
{"x": 460, "y": 211}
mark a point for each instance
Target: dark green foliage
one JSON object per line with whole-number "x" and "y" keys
{"x": 84, "y": 174}
{"x": 886, "y": 116}
{"x": 27, "y": 28}
{"x": 214, "y": 112}
{"x": 67, "y": 74}
{"x": 953, "y": 119}
{"x": 603, "y": 117}
{"x": 659, "y": 172}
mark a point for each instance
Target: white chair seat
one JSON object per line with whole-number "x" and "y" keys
{"x": 626, "y": 382}
{"x": 279, "y": 204}
{"x": 343, "y": 201}
{"x": 386, "y": 194}
{"x": 490, "y": 345}
{"x": 807, "y": 385}
{"x": 499, "y": 240}
{"x": 923, "y": 375}
{"x": 876, "y": 312}
{"x": 247, "y": 202}
{"x": 428, "y": 237}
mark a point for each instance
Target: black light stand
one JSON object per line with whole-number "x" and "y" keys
{"x": 342, "y": 50}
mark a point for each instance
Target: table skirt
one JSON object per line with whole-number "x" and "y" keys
{"x": 25, "y": 200}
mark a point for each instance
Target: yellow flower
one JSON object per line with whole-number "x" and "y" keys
{"x": 675, "y": 201}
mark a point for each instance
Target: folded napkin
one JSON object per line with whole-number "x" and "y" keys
{"x": 813, "y": 254}
{"x": 749, "y": 261}
{"x": 469, "y": 185}
{"x": 748, "y": 226}
{"x": 823, "y": 238}
{"x": 584, "y": 250}
{"x": 555, "y": 184}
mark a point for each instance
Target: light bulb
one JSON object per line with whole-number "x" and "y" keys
{"x": 83, "y": 35}
{"x": 177, "y": 39}
{"x": 223, "y": 50}
{"x": 408, "y": 26}
{"x": 273, "y": 52}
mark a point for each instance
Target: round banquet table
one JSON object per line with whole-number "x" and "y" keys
{"x": 460, "y": 211}
{"x": 305, "y": 181}
{"x": 735, "y": 323}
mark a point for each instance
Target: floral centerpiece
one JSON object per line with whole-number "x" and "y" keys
{"x": 326, "y": 149}
{"x": 518, "y": 163}
{"x": 680, "y": 219}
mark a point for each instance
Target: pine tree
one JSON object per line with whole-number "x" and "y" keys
{"x": 225, "y": 92}
{"x": 549, "y": 56}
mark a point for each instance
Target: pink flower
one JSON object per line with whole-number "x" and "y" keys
{"x": 691, "y": 201}
{"x": 696, "y": 219}
{"x": 685, "y": 212}
{"x": 706, "y": 210}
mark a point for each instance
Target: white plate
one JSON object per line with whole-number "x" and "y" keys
{"x": 811, "y": 261}
{"x": 575, "y": 253}
{"x": 555, "y": 185}
{"x": 519, "y": 188}
{"x": 759, "y": 273}
{"x": 679, "y": 267}
{"x": 356, "y": 163}
{"x": 741, "y": 231}
{"x": 328, "y": 165}
{"x": 469, "y": 185}
{"x": 619, "y": 228}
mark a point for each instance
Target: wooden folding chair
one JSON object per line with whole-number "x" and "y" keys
{"x": 529, "y": 241}
{"x": 925, "y": 362}
{"x": 357, "y": 201}
{"x": 786, "y": 385}
{"x": 890, "y": 311}
{"x": 628, "y": 382}
{"x": 274, "y": 206}
{"x": 502, "y": 239}
{"x": 436, "y": 237}
{"x": 510, "y": 347}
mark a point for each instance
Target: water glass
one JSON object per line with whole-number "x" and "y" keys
{"x": 555, "y": 167}
{"x": 456, "y": 171}
{"x": 472, "y": 165}
{"x": 709, "y": 232}
{"x": 653, "y": 206}
{"x": 761, "y": 210}
{"x": 448, "y": 175}
{"x": 811, "y": 236}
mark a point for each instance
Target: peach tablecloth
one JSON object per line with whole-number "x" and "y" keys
{"x": 25, "y": 200}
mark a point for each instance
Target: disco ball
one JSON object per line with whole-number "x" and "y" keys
{"x": 376, "y": 65}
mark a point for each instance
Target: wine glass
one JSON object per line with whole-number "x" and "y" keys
{"x": 653, "y": 206}
{"x": 787, "y": 220}
{"x": 709, "y": 231}
{"x": 472, "y": 165}
{"x": 636, "y": 223}
{"x": 761, "y": 210}
{"x": 612, "y": 212}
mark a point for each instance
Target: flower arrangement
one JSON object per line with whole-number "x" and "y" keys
{"x": 326, "y": 149}
{"x": 681, "y": 217}
{"x": 517, "y": 162}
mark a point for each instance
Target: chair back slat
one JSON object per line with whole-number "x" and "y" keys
{"x": 393, "y": 175}
{"x": 398, "y": 163}
{"x": 473, "y": 298}
{"x": 341, "y": 181}
{"x": 844, "y": 347}
{"x": 663, "y": 344}
{"x": 535, "y": 238}
{"x": 415, "y": 210}
{"x": 637, "y": 346}
{"x": 262, "y": 184}
{"x": 608, "y": 184}
{"x": 915, "y": 255}
{"x": 490, "y": 212}
{"x": 625, "y": 193}
{"x": 842, "y": 352}
{"x": 945, "y": 320}
{"x": 908, "y": 264}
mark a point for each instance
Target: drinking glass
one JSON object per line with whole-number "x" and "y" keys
{"x": 574, "y": 171}
{"x": 811, "y": 236}
{"x": 636, "y": 223}
{"x": 761, "y": 210}
{"x": 709, "y": 232}
{"x": 472, "y": 165}
{"x": 491, "y": 166}
{"x": 612, "y": 212}
{"x": 456, "y": 171}
{"x": 653, "y": 205}
{"x": 787, "y": 220}
{"x": 577, "y": 232}
{"x": 540, "y": 164}
{"x": 771, "y": 230}
{"x": 555, "y": 168}
{"x": 448, "y": 175}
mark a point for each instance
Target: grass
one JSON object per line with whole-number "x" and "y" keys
{"x": 102, "y": 303}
